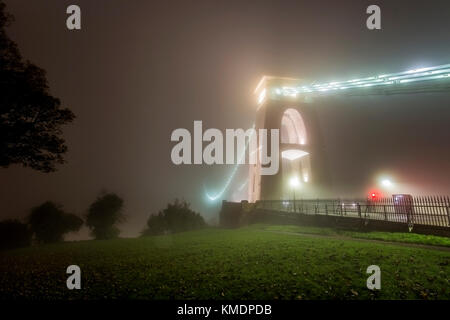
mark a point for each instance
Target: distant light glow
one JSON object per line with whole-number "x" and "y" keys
{"x": 293, "y": 154}
{"x": 386, "y": 182}
{"x": 218, "y": 195}
{"x": 262, "y": 96}
{"x": 417, "y": 70}
{"x": 243, "y": 185}
{"x": 294, "y": 182}
{"x": 375, "y": 194}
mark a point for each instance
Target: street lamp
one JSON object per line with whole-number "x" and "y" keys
{"x": 386, "y": 183}
{"x": 295, "y": 183}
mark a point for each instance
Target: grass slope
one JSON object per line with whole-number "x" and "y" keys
{"x": 247, "y": 263}
{"x": 374, "y": 235}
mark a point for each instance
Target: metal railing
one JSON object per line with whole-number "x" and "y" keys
{"x": 433, "y": 211}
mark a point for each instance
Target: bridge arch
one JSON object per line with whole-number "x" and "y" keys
{"x": 295, "y": 158}
{"x": 293, "y": 130}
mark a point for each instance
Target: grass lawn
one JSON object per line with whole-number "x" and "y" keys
{"x": 246, "y": 263}
{"x": 374, "y": 235}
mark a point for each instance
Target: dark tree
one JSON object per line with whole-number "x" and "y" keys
{"x": 30, "y": 118}
{"x": 104, "y": 215}
{"x": 49, "y": 222}
{"x": 156, "y": 224}
{"x": 14, "y": 234}
{"x": 177, "y": 217}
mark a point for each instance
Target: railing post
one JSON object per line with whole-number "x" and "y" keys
{"x": 408, "y": 216}
{"x": 385, "y": 214}
{"x": 359, "y": 209}
{"x": 448, "y": 214}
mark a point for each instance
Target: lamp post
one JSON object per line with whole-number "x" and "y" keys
{"x": 294, "y": 182}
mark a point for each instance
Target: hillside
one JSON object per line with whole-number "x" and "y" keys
{"x": 258, "y": 262}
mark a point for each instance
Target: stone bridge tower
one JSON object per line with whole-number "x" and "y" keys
{"x": 302, "y": 154}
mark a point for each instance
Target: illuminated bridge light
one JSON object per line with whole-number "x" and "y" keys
{"x": 212, "y": 197}
{"x": 293, "y": 154}
{"x": 390, "y": 80}
{"x": 425, "y": 78}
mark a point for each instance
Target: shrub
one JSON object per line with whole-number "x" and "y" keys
{"x": 49, "y": 222}
{"x": 177, "y": 217}
{"x": 103, "y": 216}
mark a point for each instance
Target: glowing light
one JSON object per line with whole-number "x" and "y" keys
{"x": 294, "y": 182}
{"x": 417, "y": 70}
{"x": 262, "y": 96}
{"x": 420, "y": 74}
{"x": 441, "y": 76}
{"x": 293, "y": 154}
{"x": 386, "y": 182}
{"x": 243, "y": 185}
{"x": 219, "y": 194}
{"x": 375, "y": 195}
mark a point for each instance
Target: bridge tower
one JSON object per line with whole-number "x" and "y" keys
{"x": 302, "y": 153}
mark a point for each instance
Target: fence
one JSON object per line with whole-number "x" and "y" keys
{"x": 432, "y": 211}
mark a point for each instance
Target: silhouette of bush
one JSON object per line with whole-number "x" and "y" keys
{"x": 177, "y": 217}
{"x": 14, "y": 234}
{"x": 103, "y": 216}
{"x": 49, "y": 222}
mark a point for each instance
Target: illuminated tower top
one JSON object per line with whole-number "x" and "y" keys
{"x": 270, "y": 86}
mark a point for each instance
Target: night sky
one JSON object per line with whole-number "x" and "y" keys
{"x": 140, "y": 69}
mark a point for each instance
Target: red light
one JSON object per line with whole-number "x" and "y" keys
{"x": 374, "y": 195}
